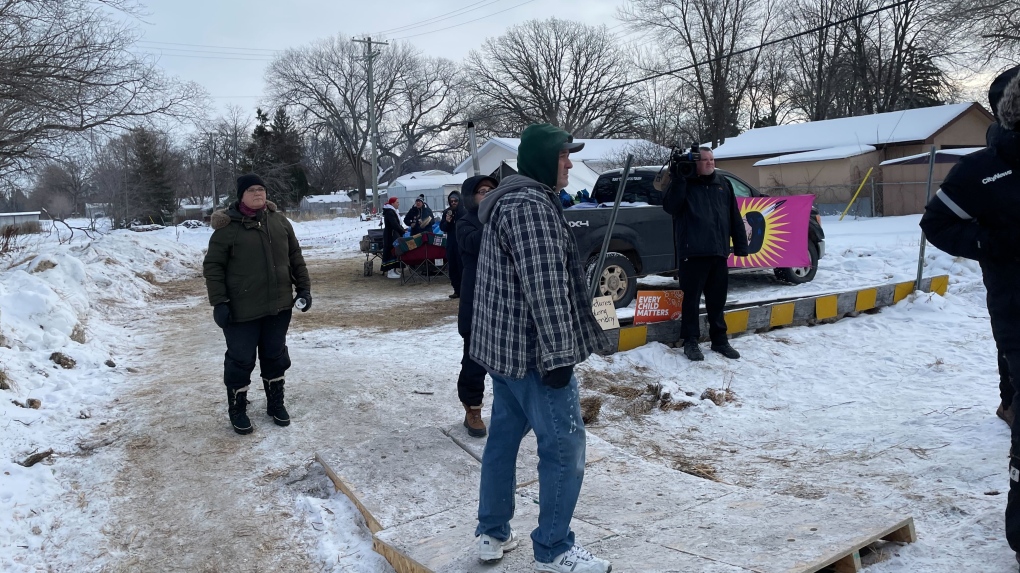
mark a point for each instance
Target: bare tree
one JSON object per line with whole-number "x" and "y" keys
{"x": 421, "y": 119}
{"x": 768, "y": 94}
{"x": 327, "y": 83}
{"x": 556, "y": 71}
{"x": 994, "y": 23}
{"x": 708, "y": 38}
{"x": 818, "y": 69}
{"x": 66, "y": 68}
{"x": 894, "y": 57}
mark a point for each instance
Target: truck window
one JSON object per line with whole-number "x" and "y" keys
{"x": 639, "y": 189}
{"x": 739, "y": 189}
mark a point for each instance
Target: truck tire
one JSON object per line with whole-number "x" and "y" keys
{"x": 800, "y": 275}
{"x": 618, "y": 279}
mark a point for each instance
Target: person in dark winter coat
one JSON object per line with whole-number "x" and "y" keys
{"x": 251, "y": 269}
{"x": 448, "y": 225}
{"x": 392, "y": 230}
{"x": 705, "y": 219}
{"x": 532, "y": 323}
{"x": 974, "y": 215}
{"x": 419, "y": 217}
{"x": 471, "y": 381}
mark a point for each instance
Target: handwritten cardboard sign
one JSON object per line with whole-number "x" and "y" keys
{"x": 605, "y": 312}
{"x": 658, "y": 306}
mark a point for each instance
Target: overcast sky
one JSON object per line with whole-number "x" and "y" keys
{"x": 225, "y": 45}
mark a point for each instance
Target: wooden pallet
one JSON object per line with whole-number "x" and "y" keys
{"x": 418, "y": 492}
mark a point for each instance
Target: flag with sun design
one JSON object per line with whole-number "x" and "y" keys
{"x": 777, "y": 231}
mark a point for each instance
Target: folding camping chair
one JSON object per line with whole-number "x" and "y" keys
{"x": 424, "y": 263}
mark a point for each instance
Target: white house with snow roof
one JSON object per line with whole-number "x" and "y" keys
{"x": 830, "y": 158}
{"x": 498, "y": 156}
{"x": 435, "y": 185}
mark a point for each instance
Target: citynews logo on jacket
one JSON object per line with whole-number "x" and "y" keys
{"x": 996, "y": 177}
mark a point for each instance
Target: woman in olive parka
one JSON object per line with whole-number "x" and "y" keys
{"x": 252, "y": 269}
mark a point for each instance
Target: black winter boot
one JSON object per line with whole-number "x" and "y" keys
{"x": 693, "y": 351}
{"x": 274, "y": 401}
{"x": 237, "y": 403}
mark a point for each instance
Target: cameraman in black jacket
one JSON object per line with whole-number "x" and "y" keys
{"x": 974, "y": 215}
{"x": 705, "y": 218}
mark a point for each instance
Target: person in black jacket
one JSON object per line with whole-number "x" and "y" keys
{"x": 705, "y": 218}
{"x": 471, "y": 381}
{"x": 392, "y": 230}
{"x": 419, "y": 217}
{"x": 448, "y": 225}
{"x": 974, "y": 215}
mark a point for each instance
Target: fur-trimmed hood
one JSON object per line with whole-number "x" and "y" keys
{"x": 223, "y": 217}
{"x": 1009, "y": 105}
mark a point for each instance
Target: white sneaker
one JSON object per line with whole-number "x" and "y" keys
{"x": 491, "y": 549}
{"x": 393, "y": 274}
{"x": 575, "y": 560}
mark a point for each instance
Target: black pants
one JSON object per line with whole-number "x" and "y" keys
{"x": 471, "y": 382}
{"x": 708, "y": 276}
{"x": 456, "y": 269}
{"x": 266, "y": 336}
{"x": 1005, "y": 381}
{"x": 1013, "y": 502}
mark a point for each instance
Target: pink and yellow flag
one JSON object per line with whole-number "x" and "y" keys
{"x": 777, "y": 231}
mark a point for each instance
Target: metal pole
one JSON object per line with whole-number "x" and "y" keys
{"x": 872, "y": 198}
{"x": 212, "y": 170}
{"x": 474, "y": 148}
{"x": 593, "y": 287}
{"x": 927, "y": 197}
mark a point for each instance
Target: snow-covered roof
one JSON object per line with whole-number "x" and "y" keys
{"x": 419, "y": 174}
{"x": 594, "y": 150}
{"x": 339, "y": 198}
{"x": 959, "y": 152}
{"x": 581, "y": 176}
{"x": 420, "y": 182}
{"x": 842, "y": 152}
{"x": 877, "y": 129}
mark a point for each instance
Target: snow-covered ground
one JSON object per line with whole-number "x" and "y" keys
{"x": 892, "y": 409}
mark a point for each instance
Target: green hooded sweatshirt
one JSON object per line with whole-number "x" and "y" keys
{"x": 538, "y": 155}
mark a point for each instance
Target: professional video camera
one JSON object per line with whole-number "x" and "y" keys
{"x": 682, "y": 163}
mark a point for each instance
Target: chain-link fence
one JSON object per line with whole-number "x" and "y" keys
{"x": 876, "y": 199}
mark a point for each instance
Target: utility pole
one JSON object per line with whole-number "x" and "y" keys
{"x": 373, "y": 127}
{"x": 212, "y": 170}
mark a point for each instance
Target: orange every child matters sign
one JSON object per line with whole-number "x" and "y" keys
{"x": 658, "y": 306}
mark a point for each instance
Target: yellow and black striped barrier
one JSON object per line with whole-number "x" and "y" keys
{"x": 798, "y": 312}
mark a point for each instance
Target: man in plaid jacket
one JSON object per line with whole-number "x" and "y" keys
{"x": 532, "y": 323}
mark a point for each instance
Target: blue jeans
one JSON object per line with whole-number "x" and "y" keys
{"x": 555, "y": 416}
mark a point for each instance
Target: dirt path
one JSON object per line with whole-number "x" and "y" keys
{"x": 191, "y": 495}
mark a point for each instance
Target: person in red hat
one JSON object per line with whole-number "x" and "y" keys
{"x": 392, "y": 230}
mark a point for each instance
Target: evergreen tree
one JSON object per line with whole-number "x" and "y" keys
{"x": 275, "y": 154}
{"x": 149, "y": 172}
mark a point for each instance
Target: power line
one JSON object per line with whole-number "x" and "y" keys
{"x": 208, "y": 46}
{"x": 206, "y": 52}
{"x": 465, "y": 23}
{"x": 166, "y": 55}
{"x": 440, "y": 17}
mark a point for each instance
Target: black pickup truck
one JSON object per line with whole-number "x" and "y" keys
{"x": 642, "y": 241}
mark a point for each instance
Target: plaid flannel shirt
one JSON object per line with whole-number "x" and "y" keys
{"x": 531, "y": 309}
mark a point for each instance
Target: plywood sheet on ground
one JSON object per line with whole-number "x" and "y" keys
{"x": 422, "y": 488}
{"x": 405, "y": 476}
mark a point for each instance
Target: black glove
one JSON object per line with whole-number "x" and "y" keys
{"x": 558, "y": 377}
{"x": 221, "y": 314}
{"x": 307, "y": 297}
